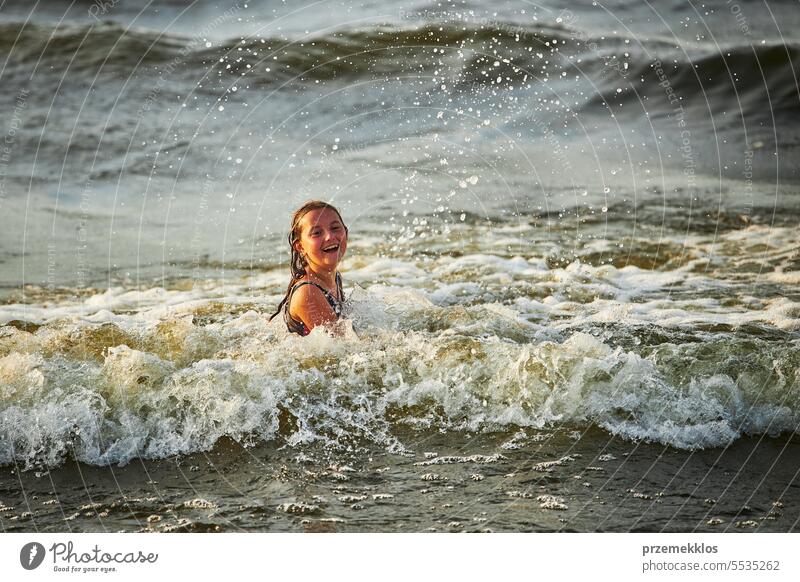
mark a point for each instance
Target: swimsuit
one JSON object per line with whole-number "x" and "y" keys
{"x": 297, "y": 326}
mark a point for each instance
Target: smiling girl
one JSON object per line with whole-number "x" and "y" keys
{"x": 317, "y": 243}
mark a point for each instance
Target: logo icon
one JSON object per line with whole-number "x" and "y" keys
{"x": 31, "y": 555}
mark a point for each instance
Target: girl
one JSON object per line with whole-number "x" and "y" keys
{"x": 317, "y": 243}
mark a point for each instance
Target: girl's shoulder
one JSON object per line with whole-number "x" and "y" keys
{"x": 306, "y": 288}
{"x": 299, "y": 288}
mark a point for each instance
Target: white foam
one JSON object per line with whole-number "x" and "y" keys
{"x": 128, "y": 373}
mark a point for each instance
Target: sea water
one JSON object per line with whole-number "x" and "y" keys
{"x": 572, "y": 270}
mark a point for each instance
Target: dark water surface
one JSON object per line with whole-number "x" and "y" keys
{"x": 545, "y": 481}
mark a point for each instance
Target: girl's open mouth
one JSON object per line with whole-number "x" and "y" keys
{"x": 331, "y": 249}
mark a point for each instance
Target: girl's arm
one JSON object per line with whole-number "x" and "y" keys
{"x": 310, "y": 306}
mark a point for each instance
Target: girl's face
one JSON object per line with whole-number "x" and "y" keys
{"x": 323, "y": 239}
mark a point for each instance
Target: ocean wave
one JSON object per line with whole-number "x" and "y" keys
{"x": 464, "y": 50}
{"x": 86, "y": 47}
{"x": 742, "y": 78}
{"x": 114, "y": 387}
{"x": 491, "y": 64}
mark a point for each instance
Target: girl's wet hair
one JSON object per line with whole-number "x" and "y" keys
{"x": 297, "y": 264}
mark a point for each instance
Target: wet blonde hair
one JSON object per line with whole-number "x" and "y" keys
{"x": 297, "y": 264}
